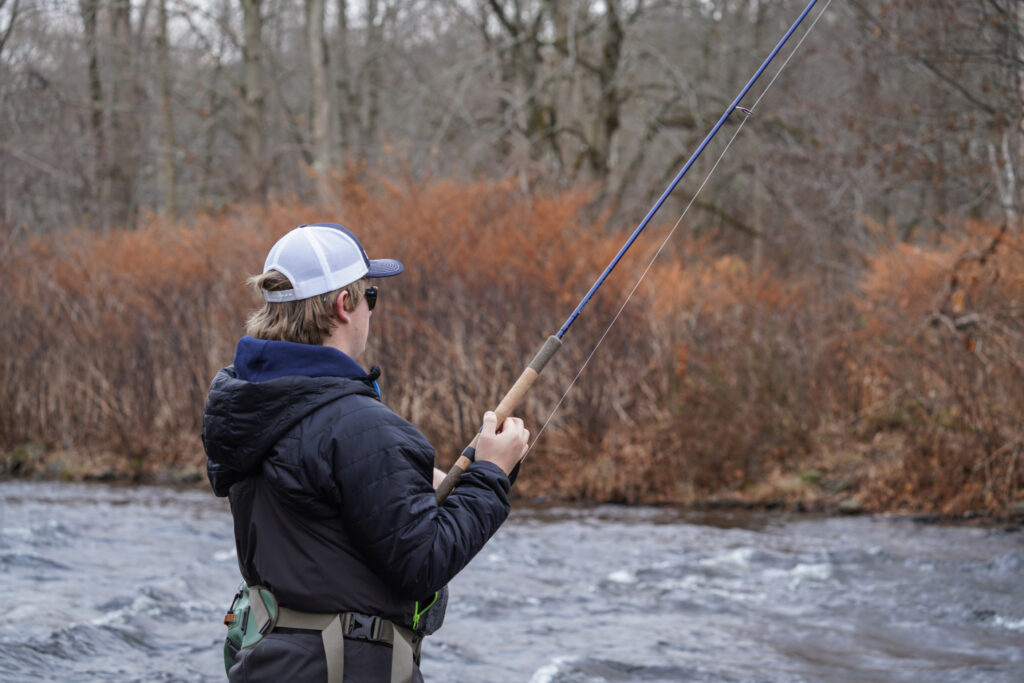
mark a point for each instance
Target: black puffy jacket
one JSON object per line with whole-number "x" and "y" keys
{"x": 331, "y": 492}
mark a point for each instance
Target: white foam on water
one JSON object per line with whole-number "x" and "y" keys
{"x": 547, "y": 673}
{"x": 22, "y": 612}
{"x": 1012, "y": 624}
{"x": 142, "y": 605}
{"x": 19, "y": 531}
{"x": 224, "y": 555}
{"x": 801, "y": 572}
{"x": 738, "y": 557}
{"x": 815, "y": 572}
{"x": 622, "y": 576}
{"x": 689, "y": 582}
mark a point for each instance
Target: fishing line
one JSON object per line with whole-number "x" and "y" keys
{"x": 747, "y": 112}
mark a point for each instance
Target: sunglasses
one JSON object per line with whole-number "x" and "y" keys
{"x": 371, "y": 297}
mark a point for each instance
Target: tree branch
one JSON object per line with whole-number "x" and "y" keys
{"x": 948, "y": 80}
{"x": 10, "y": 25}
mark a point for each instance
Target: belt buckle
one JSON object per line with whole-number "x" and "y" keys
{"x": 362, "y": 626}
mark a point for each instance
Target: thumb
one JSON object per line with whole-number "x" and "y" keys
{"x": 490, "y": 424}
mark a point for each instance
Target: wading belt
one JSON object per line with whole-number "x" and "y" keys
{"x": 334, "y": 628}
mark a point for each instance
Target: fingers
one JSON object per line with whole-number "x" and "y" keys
{"x": 512, "y": 423}
{"x": 515, "y": 429}
{"x": 504, "y": 446}
{"x": 512, "y": 427}
{"x": 490, "y": 423}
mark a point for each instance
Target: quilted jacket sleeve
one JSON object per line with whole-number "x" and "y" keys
{"x": 390, "y": 510}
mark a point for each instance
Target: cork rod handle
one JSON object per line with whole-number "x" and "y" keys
{"x": 505, "y": 408}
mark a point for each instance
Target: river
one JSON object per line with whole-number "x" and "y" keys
{"x": 107, "y": 583}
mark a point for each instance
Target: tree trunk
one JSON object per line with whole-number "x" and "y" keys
{"x": 6, "y": 32}
{"x": 342, "y": 86}
{"x": 524, "y": 110}
{"x": 252, "y": 101}
{"x": 1005, "y": 178}
{"x": 608, "y": 99}
{"x": 119, "y": 174}
{"x": 321, "y": 95}
{"x": 1019, "y": 37}
{"x": 370, "y": 79}
{"x": 168, "y": 170}
{"x": 757, "y": 179}
{"x": 89, "y": 10}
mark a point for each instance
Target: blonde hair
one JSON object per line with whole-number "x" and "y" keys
{"x": 306, "y": 321}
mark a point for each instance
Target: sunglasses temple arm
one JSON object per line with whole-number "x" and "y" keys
{"x": 507, "y": 406}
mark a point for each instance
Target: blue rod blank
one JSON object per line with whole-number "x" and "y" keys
{"x": 664, "y": 195}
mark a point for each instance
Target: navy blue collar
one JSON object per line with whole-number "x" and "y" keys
{"x": 259, "y": 360}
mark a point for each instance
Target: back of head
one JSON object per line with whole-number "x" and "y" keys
{"x": 303, "y": 276}
{"x": 303, "y": 321}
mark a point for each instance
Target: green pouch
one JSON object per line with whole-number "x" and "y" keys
{"x": 252, "y": 615}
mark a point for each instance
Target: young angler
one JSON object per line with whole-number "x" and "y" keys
{"x": 337, "y": 527}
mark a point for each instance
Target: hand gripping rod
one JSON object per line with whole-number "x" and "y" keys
{"x": 515, "y": 395}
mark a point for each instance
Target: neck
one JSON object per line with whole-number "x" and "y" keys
{"x": 337, "y": 339}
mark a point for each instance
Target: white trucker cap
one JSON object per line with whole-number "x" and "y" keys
{"x": 321, "y": 258}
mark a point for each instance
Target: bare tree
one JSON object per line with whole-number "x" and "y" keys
{"x": 608, "y": 99}
{"x": 370, "y": 77}
{"x": 341, "y": 85}
{"x": 5, "y": 31}
{"x": 89, "y": 10}
{"x": 966, "y": 60}
{"x": 119, "y": 173}
{"x": 323, "y": 158}
{"x": 168, "y": 166}
{"x": 253, "y": 100}
{"x": 525, "y": 110}
{"x": 905, "y": 111}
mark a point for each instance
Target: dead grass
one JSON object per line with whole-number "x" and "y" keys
{"x": 716, "y": 382}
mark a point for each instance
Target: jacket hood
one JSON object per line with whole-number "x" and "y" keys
{"x": 271, "y": 387}
{"x": 259, "y": 360}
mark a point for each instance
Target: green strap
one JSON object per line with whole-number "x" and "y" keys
{"x": 417, "y": 612}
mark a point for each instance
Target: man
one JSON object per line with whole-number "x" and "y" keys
{"x": 332, "y": 493}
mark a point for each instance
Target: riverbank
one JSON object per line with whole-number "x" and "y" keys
{"x": 837, "y": 486}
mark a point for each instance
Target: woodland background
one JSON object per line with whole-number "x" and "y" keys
{"x": 837, "y": 321}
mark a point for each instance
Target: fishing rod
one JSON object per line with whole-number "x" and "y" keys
{"x": 551, "y": 346}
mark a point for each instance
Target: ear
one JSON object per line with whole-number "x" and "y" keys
{"x": 339, "y": 307}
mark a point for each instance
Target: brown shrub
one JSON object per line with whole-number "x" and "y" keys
{"x": 737, "y": 373}
{"x": 940, "y": 358}
{"x": 113, "y": 339}
{"x": 714, "y": 377}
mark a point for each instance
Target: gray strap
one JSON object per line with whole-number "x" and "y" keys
{"x": 334, "y": 649}
{"x": 313, "y": 621}
{"x": 333, "y": 635}
{"x": 401, "y": 655}
{"x": 259, "y": 608}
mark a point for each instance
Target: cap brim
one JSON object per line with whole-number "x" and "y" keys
{"x": 384, "y": 267}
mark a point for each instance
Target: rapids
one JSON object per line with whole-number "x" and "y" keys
{"x": 106, "y": 583}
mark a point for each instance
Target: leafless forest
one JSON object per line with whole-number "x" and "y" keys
{"x": 839, "y": 315}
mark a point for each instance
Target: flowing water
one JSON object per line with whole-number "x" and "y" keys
{"x": 104, "y": 583}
